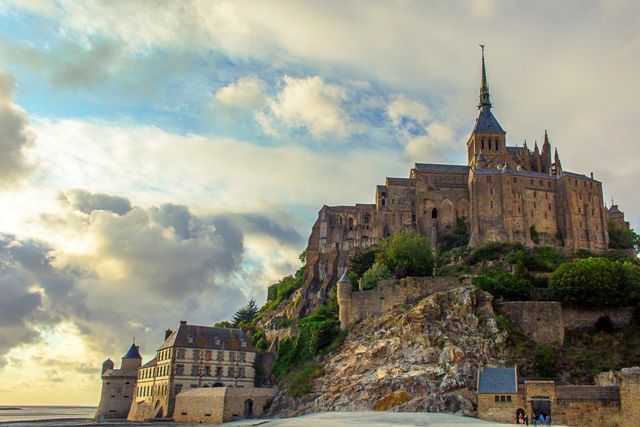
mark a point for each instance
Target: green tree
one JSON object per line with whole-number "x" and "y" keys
{"x": 622, "y": 238}
{"x": 377, "y": 272}
{"x": 597, "y": 282}
{"x": 406, "y": 253}
{"x": 245, "y": 314}
{"x": 361, "y": 262}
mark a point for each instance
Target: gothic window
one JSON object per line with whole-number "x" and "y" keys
{"x": 491, "y": 204}
{"x": 482, "y": 144}
{"x": 489, "y": 144}
{"x": 350, "y": 223}
{"x": 497, "y": 145}
{"x": 491, "y": 191}
{"x": 434, "y": 213}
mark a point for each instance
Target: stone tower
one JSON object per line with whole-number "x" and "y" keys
{"x": 118, "y": 385}
{"x": 344, "y": 300}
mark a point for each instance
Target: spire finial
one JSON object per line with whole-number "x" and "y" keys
{"x": 484, "y": 88}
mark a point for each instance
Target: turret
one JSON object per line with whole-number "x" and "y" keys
{"x": 132, "y": 360}
{"x": 107, "y": 365}
{"x": 344, "y": 300}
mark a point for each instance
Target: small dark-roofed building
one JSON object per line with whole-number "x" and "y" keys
{"x": 498, "y": 394}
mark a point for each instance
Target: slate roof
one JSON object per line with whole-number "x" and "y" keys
{"x": 498, "y": 380}
{"x": 195, "y": 336}
{"x": 486, "y": 122}
{"x": 133, "y": 353}
{"x": 441, "y": 168}
{"x": 401, "y": 181}
{"x": 150, "y": 363}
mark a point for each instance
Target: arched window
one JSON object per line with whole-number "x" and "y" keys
{"x": 434, "y": 213}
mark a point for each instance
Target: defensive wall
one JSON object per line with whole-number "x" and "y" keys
{"x": 221, "y": 404}
{"x": 546, "y": 321}
{"x": 387, "y": 295}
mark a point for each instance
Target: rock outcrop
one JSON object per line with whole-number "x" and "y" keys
{"x": 423, "y": 358}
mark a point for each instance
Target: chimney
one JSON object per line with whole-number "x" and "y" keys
{"x": 167, "y": 334}
{"x": 183, "y": 322}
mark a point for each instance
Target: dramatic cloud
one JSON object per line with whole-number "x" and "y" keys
{"x": 86, "y": 202}
{"x": 15, "y": 135}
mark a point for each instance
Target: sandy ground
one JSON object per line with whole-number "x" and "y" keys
{"x": 322, "y": 419}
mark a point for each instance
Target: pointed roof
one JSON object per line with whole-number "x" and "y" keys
{"x": 133, "y": 353}
{"x": 208, "y": 337}
{"x": 344, "y": 278}
{"x": 485, "y": 99}
{"x": 486, "y": 122}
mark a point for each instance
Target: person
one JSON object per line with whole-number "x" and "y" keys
{"x": 548, "y": 420}
{"x": 534, "y": 419}
{"x": 541, "y": 419}
{"x": 520, "y": 419}
{"x": 526, "y": 419}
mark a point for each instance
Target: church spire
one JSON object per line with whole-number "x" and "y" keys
{"x": 484, "y": 88}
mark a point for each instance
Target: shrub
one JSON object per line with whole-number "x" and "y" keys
{"x": 406, "y": 253}
{"x": 535, "y": 236}
{"x": 377, "y": 272}
{"x": 545, "y": 361}
{"x": 506, "y": 286}
{"x": 491, "y": 252}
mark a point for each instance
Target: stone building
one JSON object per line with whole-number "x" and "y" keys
{"x": 612, "y": 401}
{"x": 503, "y": 194}
{"x": 118, "y": 385}
{"x": 192, "y": 357}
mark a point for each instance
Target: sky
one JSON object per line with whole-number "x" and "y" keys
{"x": 165, "y": 160}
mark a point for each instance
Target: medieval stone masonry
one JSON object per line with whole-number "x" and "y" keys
{"x": 503, "y": 194}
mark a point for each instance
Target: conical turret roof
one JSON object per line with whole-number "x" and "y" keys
{"x": 133, "y": 353}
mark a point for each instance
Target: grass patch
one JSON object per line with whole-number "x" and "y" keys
{"x": 298, "y": 380}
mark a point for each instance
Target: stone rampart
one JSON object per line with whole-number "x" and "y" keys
{"x": 540, "y": 320}
{"x": 577, "y": 318}
{"x": 388, "y": 294}
{"x": 547, "y": 321}
{"x": 223, "y": 404}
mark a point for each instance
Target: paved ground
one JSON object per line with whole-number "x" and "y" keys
{"x": 322, "y": 419}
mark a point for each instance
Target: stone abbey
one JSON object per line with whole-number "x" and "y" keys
{"x": 503, "y": 194}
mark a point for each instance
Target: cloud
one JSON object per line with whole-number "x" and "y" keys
{"x": 409, "y": 116}
{"x": 15, "y": 134}
{"x": 247, "y": 94}
{"x": 87, "y": 202}
{"x": 313, "y": 106}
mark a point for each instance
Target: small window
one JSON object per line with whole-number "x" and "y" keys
{"x": 488, "y": 178}
{"x": 491, "y": 204}
{"x": 491, "y": 191}
{"x": 243, "y": 343}
{"x": 217, "y": 342}
{"x": 503, "y": 398}
{"x": 508, "y": 398}
{"x": 531, "y": 182}
{"x": 540, "y": 182}
{"x": 497, "y": 398}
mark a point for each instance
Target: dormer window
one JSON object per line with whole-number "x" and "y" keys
{"x": 243, "y": 343}
{"x": 217, "y": 342}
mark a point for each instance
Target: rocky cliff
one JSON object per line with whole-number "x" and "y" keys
{"x": 419, "y": 358}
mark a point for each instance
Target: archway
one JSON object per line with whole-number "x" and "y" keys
{"x": 248, "y": 408}
{"x": 519, "y": 412}
{"x": 540, "y": 405}
{"x": 218, "y": 385}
